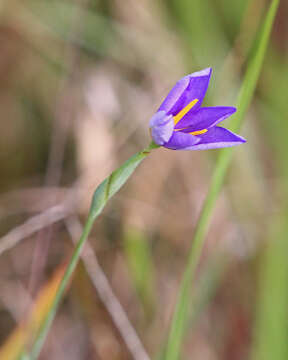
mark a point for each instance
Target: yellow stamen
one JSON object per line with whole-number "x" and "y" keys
{"x": 198, "y": 132}
{"x": 184, "y": 111}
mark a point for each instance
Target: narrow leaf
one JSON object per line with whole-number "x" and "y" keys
{"x": 179, "y": 321}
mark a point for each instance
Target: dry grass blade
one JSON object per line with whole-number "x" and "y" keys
{"x": 23, "y": 336}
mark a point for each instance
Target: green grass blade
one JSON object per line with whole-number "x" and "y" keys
{"x": 179, "y": 321}
{"x": 270, "y": 333}
{"x": 102, "y": 194}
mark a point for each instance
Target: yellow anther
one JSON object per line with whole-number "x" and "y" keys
{"x": 184, "y": 111}
{"x": 198, "y": 132}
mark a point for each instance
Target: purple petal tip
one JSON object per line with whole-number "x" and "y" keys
{"x": 204, "y": 72}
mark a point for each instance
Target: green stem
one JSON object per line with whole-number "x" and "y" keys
{"x": 66, "y": 277}
{"x": 102, "y": 194}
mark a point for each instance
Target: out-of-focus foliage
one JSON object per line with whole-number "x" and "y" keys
{"x": 79, "y": 82}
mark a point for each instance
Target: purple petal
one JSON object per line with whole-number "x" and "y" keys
{"x": 217, "y": 137}
{"x": 181, "y": 141}
{"x": 204, "y": 118}
{"x": 196, "y": 89}
{"x": 162, "y": 126}
{"x": 174, "y": 94}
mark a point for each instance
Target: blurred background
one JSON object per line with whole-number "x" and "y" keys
{"x": 79, "y": 82}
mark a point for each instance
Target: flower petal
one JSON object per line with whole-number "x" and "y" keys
{"x": 204, "y": 118}
{"x": 162, "y": 126}
{"x": 174, "y": 94}
{"x": 217, "y": 137}
{"x": 196, "y": 89}
{"x": 190, "y": 87}
{"x": 181, "y": 141}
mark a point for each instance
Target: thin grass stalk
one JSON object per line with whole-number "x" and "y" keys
{"x": 181, "y": 312}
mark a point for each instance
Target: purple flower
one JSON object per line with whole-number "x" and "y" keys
{"x": 182, "y": 124}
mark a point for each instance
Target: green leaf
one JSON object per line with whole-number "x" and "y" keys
{"x": 179, "y": 321}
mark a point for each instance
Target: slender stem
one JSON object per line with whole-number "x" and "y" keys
{"x": 102, "y": 194}
{"x": 62, "y": 287}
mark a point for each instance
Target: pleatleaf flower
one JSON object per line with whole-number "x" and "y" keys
{"x": 182, "y": 124}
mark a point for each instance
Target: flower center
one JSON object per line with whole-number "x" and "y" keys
{"x": 182, "y": 113}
